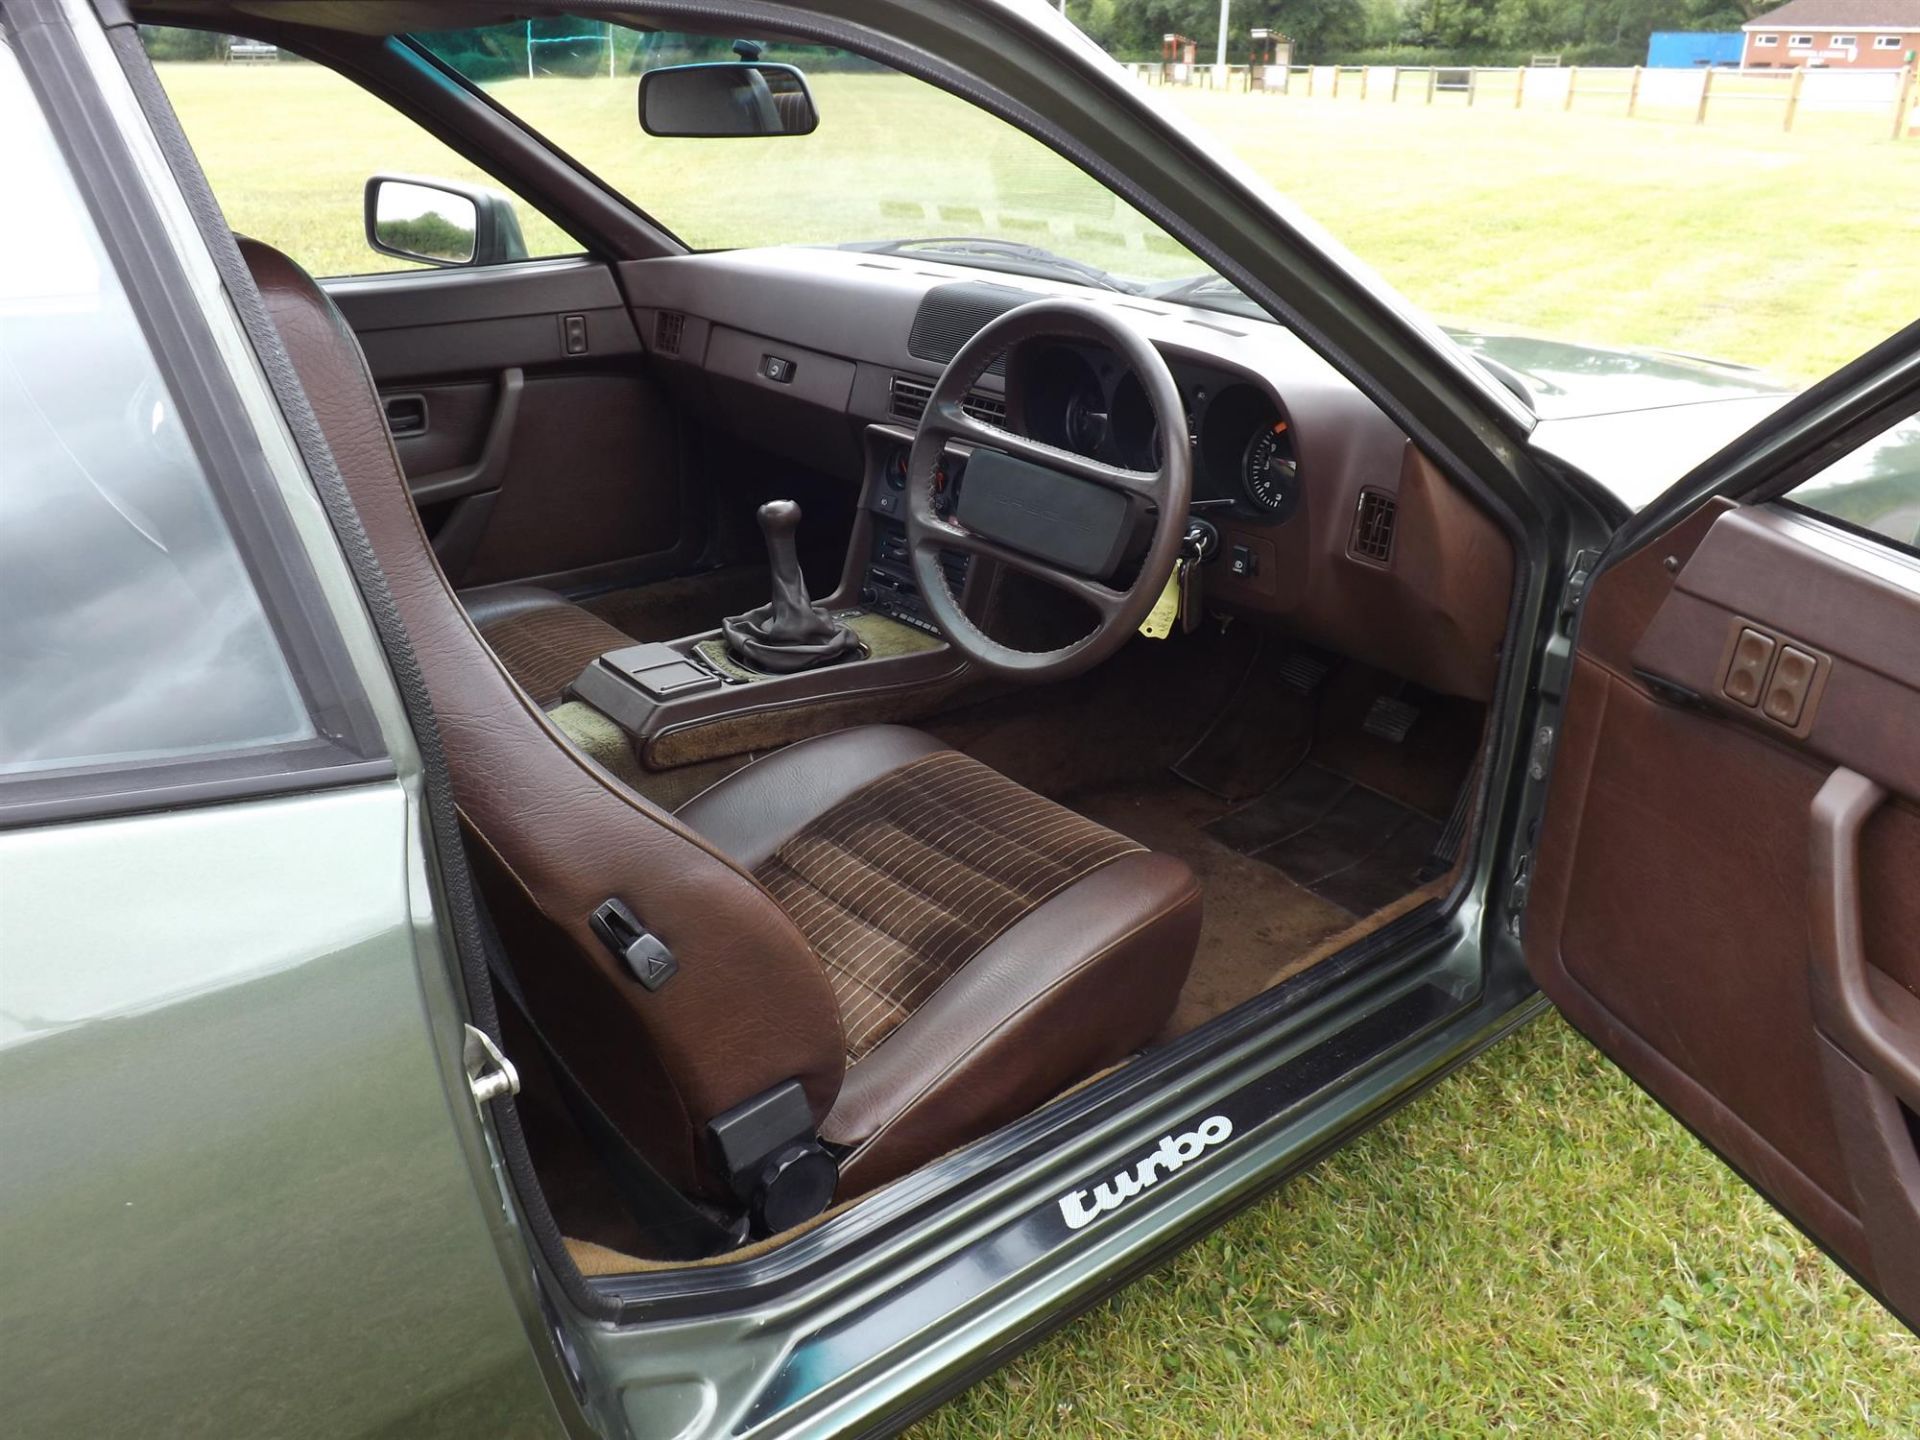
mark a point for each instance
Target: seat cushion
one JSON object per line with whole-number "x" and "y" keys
{"x": 987, "y": 946}
{"x": 899, "y": 859}
{"x": 541, "y": 639}
{"x": 1074, "y": 985}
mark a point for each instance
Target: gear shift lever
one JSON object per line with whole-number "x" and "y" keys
{"x": 791, "y": 632}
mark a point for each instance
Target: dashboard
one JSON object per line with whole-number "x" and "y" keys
{"x": 1085, "y": 399}
{"x": 1332, "y": 525}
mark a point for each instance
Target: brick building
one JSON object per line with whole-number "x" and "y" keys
{"x": 1834, "y": 34}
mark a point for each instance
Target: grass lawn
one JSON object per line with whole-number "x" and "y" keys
{"x": 1534, "y": 1246}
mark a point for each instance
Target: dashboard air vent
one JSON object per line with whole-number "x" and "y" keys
{"x": 668, "y": 325}
{"x": 907, "y": 402}
{"x": 1373, "y": 527}
{"x": 951, "y": 315}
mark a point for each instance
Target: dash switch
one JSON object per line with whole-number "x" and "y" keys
{"x": 1747, "y": 670}
{"x": 1792, "y": 680}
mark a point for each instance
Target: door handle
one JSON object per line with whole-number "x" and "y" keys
{"x": 1844, "y": 1004}
{"x": 406, "y": 415}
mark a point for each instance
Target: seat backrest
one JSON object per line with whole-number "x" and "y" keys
{"x": 553, "y": 835}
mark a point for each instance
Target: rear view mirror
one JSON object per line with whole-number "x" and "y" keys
{"x": 709, "y": 101}
{"x": 441, "y": 222}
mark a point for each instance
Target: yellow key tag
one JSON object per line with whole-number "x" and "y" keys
{"x": 1159, "y": 622}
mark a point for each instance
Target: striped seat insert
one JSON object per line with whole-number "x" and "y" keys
{"x": 908, "y": 879}
{"x": 545, "y": 648}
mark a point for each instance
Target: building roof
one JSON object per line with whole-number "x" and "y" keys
{"x": 1840, "y": 15}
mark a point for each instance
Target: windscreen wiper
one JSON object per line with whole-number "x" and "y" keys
{"x": 995, "y": 254}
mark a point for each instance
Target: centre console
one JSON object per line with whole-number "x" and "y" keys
{"x": 693, "y": 699}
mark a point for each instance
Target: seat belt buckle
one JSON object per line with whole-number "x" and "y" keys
{"x": 643, "y": 952}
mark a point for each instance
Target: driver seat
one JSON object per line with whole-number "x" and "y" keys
{"x": 929, "y": 949}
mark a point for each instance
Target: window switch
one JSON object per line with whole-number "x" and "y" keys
{"x": 1792, "y": 681}
{"x": 1747, "y": 671}
{"x": 573, "y": 334}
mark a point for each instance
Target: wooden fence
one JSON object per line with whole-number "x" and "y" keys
{"x": 1786, "y": 94}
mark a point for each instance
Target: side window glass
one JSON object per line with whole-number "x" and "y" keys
{"x": 289, "y": 146}
{"x": 1874, "y": 487}
{"x": 129, "y": 629}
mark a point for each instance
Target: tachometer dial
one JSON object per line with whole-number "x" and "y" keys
{"x": 1271, "y": 473}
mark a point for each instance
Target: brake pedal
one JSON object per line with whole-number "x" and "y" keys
{"x": 1302, "y": 671}
{"x": 1389, "y": 718}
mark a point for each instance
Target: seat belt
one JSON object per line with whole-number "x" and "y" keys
{"x": 674, "y": 1225}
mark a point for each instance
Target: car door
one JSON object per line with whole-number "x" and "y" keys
{"x": 534, "y": 437}
{"x": 1723, "y": 896}
{"x": 235, "y": 1130}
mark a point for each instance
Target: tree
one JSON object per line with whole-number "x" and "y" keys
{"x": 1134, "y": 27}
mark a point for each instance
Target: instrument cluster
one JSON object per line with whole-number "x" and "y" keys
{"x": 1246, "y": 457}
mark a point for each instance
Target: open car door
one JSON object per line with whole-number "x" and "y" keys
{"x": 1726, "y": 890}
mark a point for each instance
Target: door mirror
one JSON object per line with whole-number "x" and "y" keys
{"x": 441, "y": 222}
{"x": 731, "y": 98}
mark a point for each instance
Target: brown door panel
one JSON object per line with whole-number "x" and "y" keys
{"x": 1683, "y": 904}
{"x": 535, "y": 441}
{"x": 586, "y": 472}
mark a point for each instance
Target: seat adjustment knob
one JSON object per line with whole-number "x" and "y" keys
{"x": 772, "y": 1159}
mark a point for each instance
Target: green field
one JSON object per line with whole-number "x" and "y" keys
{"x": 1534, "y": 1247}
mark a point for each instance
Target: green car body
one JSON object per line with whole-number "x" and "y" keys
{"x": 245, "y": 1184}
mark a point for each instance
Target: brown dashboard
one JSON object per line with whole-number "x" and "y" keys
{"x": 1332, "y": 525}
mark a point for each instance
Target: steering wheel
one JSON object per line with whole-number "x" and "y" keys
{"x": 1060, "y": 517}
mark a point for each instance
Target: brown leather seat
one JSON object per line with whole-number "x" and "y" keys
{"x": 928, "y": 948}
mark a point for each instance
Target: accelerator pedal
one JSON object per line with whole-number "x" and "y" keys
{"x": 1389, "y": 718}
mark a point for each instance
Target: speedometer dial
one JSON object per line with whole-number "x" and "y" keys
{"x": 1270, "y": 475}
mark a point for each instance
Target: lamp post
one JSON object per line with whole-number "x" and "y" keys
{"x": 1220, "y": 55}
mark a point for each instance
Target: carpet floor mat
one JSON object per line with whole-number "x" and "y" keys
{"x": 1351, "y": 846}
{"x": 1255, "y": 923}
